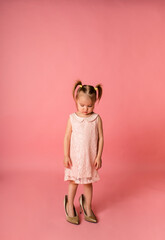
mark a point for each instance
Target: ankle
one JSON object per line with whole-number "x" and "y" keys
{"x": 87, "y": 206}
{"x": 70, "y": 204}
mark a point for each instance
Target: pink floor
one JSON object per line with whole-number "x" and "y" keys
{"x": 129, "y": 205}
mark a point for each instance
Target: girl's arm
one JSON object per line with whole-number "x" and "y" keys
{"x": 98, "y": 160}
{"x": 67, "y": 160}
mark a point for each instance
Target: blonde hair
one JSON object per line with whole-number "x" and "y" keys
{"x": 89, "y": 90}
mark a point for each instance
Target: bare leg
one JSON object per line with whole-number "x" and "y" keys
{"x": 88, "y": 192}
{"x": 71, "y": 195}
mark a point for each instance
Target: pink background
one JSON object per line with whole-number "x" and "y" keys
{"x": 45, "y": 46}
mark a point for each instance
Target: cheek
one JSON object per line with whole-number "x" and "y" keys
{"x": 79, "y": 107}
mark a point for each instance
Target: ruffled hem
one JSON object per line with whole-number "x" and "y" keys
{"x": 82, "y": 180}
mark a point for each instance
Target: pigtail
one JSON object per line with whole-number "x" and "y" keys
{"x": 78, "y": 82}
{"x": 99, "y": 89}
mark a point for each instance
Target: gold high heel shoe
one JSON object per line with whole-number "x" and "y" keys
{"x": 75, "y": 219}
{"x": 91, "y": 218}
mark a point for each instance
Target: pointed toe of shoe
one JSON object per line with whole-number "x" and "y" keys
{"x": 73, "y": 220}
{"x": 92, "y": 218}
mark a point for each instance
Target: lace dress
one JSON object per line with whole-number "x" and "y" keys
{"x": 83, "y": 149}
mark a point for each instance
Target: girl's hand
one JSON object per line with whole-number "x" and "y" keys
{"x": 67, "y": 162}
{"x": 98, "y": 163}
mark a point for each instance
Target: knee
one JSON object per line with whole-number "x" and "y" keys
{"x": 72, "y": 182}
{"x": 88, "y": 185}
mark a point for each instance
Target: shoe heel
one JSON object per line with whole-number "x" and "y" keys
{"x": 80, "y": 209}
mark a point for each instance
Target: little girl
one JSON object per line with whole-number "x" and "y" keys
{"x": 83, "y": 146}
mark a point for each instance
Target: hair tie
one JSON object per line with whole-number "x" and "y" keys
{"x": 95, "y": 88}
{"x": 80, "y": 85}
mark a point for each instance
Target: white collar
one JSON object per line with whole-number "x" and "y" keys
{"x": 89, "y": 119}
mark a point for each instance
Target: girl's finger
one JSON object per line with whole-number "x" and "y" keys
{"x": 96, "y": 166}
{"x": 69, "y": 164}
{"x": 66, "y": 165}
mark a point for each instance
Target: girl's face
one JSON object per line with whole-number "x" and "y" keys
{"x": 84, "y": 104}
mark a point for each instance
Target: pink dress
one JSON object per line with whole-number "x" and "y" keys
{"x": 83, "y": 149}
